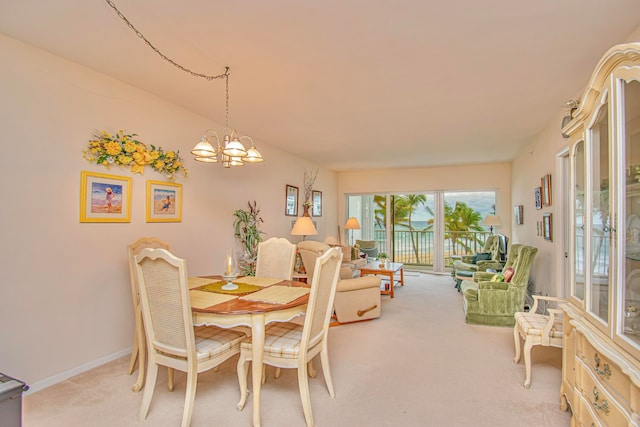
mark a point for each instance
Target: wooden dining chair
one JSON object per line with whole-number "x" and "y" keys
{"x": 172, "y": 339}
{"x": 291, "y": 345}
{"x": 276, "y": 258}
{"x": 138, "y": 353}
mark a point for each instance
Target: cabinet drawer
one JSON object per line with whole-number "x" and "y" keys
{"x": 586, "y": 416}
{"x": 606, "y": 409}
{"x": 607, "y": 371}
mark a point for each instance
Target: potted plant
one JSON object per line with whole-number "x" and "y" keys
{"x": 382, "y": 257}
{"x": 247, "y": 233}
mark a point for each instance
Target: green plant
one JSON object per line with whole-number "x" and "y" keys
{"x": 382, "y": 255}
{"x": 247, "y": 232}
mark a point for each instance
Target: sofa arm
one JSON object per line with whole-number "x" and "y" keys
{"x": 346, "y": 273}
{"x": 358, "y": 283}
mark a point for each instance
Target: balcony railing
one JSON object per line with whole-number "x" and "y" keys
{"x": 416, "y": 247}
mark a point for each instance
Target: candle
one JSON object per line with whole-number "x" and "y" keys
{"x": 229, "y": 264}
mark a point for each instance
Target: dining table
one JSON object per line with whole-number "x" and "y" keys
{"x": 281, "y": 301}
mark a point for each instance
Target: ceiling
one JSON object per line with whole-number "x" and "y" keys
{"x": 349, "y": 84}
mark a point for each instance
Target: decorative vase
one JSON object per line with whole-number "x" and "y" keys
{"x": 305, "y": 209}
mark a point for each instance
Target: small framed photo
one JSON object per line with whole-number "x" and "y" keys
{"x": 291, "y": 201}
{"x": 104, "y": 198}
{"x": 537, "y": 195}
{"x": 547, "y": 227}
{"x": 546, "y": 190}
{"x": 316, "y": 198}
{"x": 164, "y": 201}
{"x": 518, "y": 214}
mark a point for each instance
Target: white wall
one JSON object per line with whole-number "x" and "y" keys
{"x": 65, "y": 295}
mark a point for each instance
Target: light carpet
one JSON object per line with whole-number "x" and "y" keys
{"x": 417, "y": 365}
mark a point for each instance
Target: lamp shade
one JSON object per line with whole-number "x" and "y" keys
{"x": 492, "y": 221}
{"x": 352, "y": 224}
{"x": 304, "y": 227}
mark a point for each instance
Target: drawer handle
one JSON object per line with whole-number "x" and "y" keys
{"x": 606, "y": 372}
{"x": 604, "y": 406}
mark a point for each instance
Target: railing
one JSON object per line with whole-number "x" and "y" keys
{"x": 416, "y": 247}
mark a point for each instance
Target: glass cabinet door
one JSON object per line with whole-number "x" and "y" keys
{"x": 629, "y": 236}
{"x": 579, "y": 221}
{"x": 600, "y": 216}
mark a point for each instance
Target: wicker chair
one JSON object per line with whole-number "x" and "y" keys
{"x": 290, "y": 345}
{"x": 139, "y": 350}
{"x": 172, "y": 339}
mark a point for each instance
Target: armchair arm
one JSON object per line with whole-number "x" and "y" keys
{"x": 482, "y": 276}
{"x": 486, "y": 264}
{"x": 493, "y": 286}
{"x": 467, "y": 258}
{"x": 536, "y": 298}
{"x": 546, "y": 332}
{"x": 358, "y": 283}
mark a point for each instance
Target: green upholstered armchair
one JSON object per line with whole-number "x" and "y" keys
{"x": 369, "y": 247}
{"x": 495, "y": 303}
{"x": 467, "y": 263}
{"x": 484, "y": 276}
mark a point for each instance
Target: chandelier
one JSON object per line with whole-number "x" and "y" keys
{"x": 231, "y": 151}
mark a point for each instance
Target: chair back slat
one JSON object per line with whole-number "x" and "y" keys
{"x": 321, "y": 296}
{"x": 276, "y": 258}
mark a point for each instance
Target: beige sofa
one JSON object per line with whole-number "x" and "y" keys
{"x": 356, "y": 298}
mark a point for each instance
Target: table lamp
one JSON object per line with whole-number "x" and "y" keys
{"x": 352, "y": 224}
{"x": 304, "y": 227}
{"x": 491, "y": 221}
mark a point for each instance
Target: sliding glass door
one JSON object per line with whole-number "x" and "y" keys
{"x": 423, "y": 230}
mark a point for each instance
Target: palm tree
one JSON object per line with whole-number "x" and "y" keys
{"x": 410, "y": 203}
{"x": 459, "y": 222}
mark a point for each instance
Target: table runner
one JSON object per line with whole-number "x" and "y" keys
{"x": 277, "y": 294}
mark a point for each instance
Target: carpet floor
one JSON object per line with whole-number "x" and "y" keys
{"x": 417, "y": 365}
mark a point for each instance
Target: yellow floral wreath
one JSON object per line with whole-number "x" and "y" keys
{"x": 125, "y": 150}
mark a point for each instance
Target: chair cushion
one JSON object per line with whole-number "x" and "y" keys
{"x": 481, "y": 256}
{"x": 280, "y": 340}
{"x": 211, "y": 340}
{"x": 534, "y": 323}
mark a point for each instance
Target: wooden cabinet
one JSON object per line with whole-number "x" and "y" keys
{"x": 601, "y": 359}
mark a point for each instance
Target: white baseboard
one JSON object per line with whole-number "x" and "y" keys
{"x": 55, "y": 379}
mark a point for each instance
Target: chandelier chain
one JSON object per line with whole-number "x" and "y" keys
{"x": 169, "y": 60}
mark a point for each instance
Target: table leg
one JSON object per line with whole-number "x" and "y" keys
{"x": 391, "y": 284}
{"x": 257, "y": 347}
{"x": 402, "y": 277}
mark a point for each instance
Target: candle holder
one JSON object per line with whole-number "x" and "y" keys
{"x": 230, "y": 273}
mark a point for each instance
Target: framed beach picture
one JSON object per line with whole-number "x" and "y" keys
{"x": 291, "y": 201}
{"x": 104, "y": 198}
{"x": 164, "y": 201}
{"x": 316, "y": 198}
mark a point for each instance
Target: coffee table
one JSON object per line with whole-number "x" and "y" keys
{"x": 389, "y": 269}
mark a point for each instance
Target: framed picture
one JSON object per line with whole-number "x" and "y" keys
{"x": 104, "y": 198}
{"x": 291, "y": 205}
{"x": 316, "y": 197}
{"x": 537, "y": 195}
{"x": 517, "y": 214}
{"x": 164, "y": 201}
{"x": 546, "y": 190}
{"x": 547, "y": 227}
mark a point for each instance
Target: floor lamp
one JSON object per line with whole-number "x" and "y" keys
{"x": 352, "y": 224}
